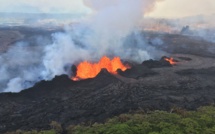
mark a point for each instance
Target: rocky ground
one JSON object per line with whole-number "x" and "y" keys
{"x": 152, "y": 85}
{"x": 189, "y": 84}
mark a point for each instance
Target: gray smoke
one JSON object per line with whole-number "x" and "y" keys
{"x": 196, "y": 26}
{"x": 104, "y": 33}
{"x": 19, "y": 67}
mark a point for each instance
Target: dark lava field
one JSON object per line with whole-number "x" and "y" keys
{"x": 152, "y": 85}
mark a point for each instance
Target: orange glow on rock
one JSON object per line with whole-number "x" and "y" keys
{"x": 171, "y": 61}
{"x": 87, "y": 70}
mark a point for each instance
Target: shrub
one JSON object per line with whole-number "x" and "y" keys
{"x": 179, "y": 121}
{"x": 57, "y": 127}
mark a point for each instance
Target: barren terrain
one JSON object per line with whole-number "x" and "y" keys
{"x": 148, "y": 86}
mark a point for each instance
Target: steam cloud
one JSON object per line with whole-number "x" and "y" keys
{"x": 103, "y": 34}
{"x": 199, "y": 26}
{"x": 112, "y": 30}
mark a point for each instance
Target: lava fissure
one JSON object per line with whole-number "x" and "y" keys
{"x": 87, "y": 70}
{"x": 171, "y": 61}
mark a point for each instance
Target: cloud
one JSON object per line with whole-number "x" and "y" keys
{"x": 183, "y": 8}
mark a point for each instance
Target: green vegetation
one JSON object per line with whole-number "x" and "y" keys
{"x": 179, "y": 121}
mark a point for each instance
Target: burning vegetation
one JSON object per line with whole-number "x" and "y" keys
{"x": 87, "y": 70}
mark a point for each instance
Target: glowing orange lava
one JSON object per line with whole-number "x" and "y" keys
{"x": 171, "y": 61}
{"x": 87, "y": 70}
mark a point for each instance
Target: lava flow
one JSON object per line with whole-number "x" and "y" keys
{"x": 171, "y": 61}
{"x": 87, "y": 70}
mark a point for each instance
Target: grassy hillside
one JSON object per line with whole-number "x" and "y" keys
{"x": 177, "y": 121}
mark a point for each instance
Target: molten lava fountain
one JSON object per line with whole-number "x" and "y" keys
{"x": 87, "y": 70}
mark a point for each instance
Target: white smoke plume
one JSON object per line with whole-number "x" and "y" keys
{"x": 113, "y": 21}
{"x": 103, "y": 34}
{"x": 112, "y": 30}
{"x": 19, "y": 67}
{"x": 14, "y": 85}
{"x": 201, "y": 26}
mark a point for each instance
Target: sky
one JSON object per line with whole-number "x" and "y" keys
{"x": 43, "y": 6}
{"x": 183, "y": 8}
{"x": 164, "y": 9}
